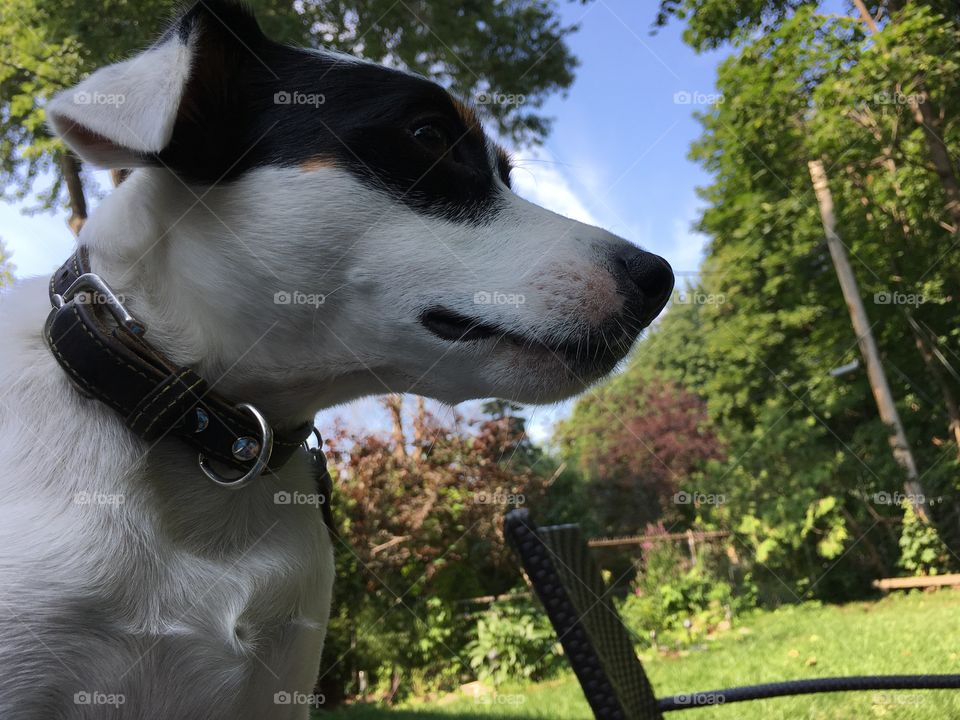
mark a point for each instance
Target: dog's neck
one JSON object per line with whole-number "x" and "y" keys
{"x": 194, "y": 266}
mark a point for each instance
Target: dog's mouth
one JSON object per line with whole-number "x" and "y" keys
{"x": 599, "y": 350}
{"x": 454, "y": 327}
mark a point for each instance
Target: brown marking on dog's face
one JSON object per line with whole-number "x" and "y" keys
{"x": 468, "y": 115}
{"x": 504, "y": 165}
{"x": 317, "y": 163}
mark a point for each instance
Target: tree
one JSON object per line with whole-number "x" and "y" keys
{"x": 809, "y": 483}
{"x": 637, "y": 442}
{"x": 507, "y": 57}
{"x": 421, "y": 530}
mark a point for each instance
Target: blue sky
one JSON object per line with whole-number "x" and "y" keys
{"x": 617, "y": 156}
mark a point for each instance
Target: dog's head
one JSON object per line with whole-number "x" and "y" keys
{"x": 357, "y": 213}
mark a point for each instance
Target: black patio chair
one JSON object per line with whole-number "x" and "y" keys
{"x": 599, "y": 647}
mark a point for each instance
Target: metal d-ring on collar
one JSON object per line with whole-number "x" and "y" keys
{"x": 242, "y": 450}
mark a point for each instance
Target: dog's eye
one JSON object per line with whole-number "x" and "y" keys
{"x": 433, "y": 137}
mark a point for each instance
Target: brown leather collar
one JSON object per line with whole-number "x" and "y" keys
{"x": 102, "y": 348}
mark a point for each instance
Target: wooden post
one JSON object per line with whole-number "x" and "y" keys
{"x": 868, "y": 347}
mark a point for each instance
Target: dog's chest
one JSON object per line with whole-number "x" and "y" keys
{"x": 210, "y": 613}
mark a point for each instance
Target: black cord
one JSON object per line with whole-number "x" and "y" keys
{"x": 807, "y": 687}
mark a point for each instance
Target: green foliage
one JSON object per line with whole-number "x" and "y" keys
{"x": 636, "y": 440}
{"x": 512, "y": 49}
{"x": 805, "y": 454}
{"x": 6, "y": 267}
{"x": 901, "y": 633}
{"x": 922, "y": 552}
{"x": 514, "y": 642}
{"x": 675, "y": 603}
{"x": 421, "y": 533}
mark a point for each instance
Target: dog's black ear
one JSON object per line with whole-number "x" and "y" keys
{"x": 129, "y": 114}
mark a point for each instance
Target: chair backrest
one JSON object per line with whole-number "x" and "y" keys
{"x": 598, "y": 646}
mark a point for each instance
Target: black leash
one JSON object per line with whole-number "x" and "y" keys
{"x": 808, "y": 687}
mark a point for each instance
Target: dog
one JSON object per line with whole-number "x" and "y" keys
{"x": 301, "y": 228}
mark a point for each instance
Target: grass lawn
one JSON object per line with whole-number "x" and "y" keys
{"x": 901, "y": 634}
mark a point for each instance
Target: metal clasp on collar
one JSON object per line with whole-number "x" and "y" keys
{"x": 93, "y": 282}
{"x": 264, "y": 450}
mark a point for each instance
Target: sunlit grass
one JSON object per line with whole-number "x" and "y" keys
{"x": 901, "y": 634}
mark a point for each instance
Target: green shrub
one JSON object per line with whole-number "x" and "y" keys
{"x": 672, "y": 591}
{"x": 514, "y": 642}
{"x": 922, "y": 552}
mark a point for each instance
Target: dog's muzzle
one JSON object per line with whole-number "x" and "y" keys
{"x": 101, "y": 347}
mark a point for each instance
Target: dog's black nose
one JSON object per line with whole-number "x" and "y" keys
{"x": 647, "y": 280}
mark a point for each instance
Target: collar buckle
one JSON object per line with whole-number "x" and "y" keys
{"x": 92, "y": 282}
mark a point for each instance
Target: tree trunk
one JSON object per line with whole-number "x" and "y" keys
{"x": 70, "y": 167}
{"x": 419, "y": 428}
{"x": 868, "y": 347}
{"x": 394, "y": 404}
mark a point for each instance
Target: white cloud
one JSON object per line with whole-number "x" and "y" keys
{"x": 539, "y": 178}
